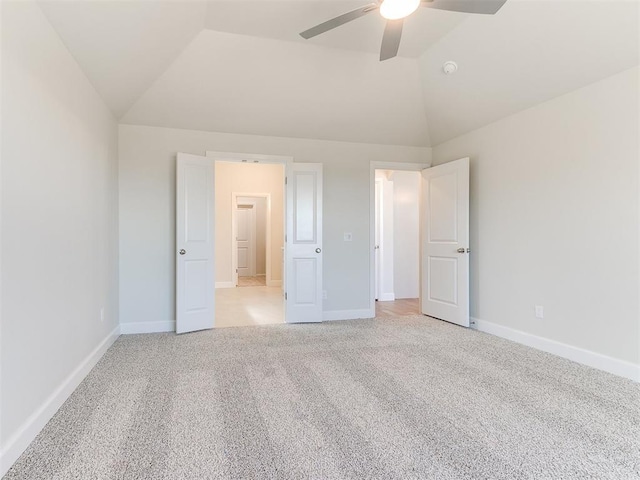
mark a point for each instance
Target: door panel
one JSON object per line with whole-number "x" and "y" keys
{"x": 445, "y": 242}
{"x": 195, "y": 268}
{"x": 303, "y": 248}
{"x": 245, "y": 240}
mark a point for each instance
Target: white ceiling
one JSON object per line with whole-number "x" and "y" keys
{"x": 284, "y": 20}
{"x": 530, "y": 52}
{"x": 240, "y": 66}
{"x": 236, "y": 83}
{"x": 124, "y": 45}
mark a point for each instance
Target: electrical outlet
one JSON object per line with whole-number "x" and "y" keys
{"x": 102, "y": 314}
{"x": 324, "y": 294}
{"x": 539, "y": 311}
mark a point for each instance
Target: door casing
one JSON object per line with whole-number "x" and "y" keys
{"x": 256, "y": 158}
{"x": 373, "y": 166}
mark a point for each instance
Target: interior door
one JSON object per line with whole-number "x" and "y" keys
{"x": 245, "y": 239}
{"x": 445, "y": 242}
{"x": 303, "y": 291}
{"x": 195, "y": 256}
{"x": 377, "y": 207}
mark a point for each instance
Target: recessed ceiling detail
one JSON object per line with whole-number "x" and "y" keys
{"x": 241, "y": 66}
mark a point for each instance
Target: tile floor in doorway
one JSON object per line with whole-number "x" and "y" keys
{"x": 247, "y": 306}
{"x": 257, "y": 281}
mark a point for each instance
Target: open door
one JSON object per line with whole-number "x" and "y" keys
{"x": 303, "y": 290}
{"x": 195, "y": 256}
{"x": 445, "y": 242}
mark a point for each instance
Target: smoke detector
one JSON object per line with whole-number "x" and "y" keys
{"x": 450, "y": 67}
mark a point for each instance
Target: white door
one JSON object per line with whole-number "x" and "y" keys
{"x": 245, "y": 239}
{"x": 445, "y": 242}
{"x": 303, "y": 291}
{"x": 195, "y": 269}
{"x": 377, "y": 207}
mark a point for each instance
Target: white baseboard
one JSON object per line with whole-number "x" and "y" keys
{"x": 274, "y": 283}
{"x": 387, "y": 297}
{"x": 580, "y": 355}
{"x": 225, "y": 285}
{"x": 19, "y": 442}
{"x": 147, "y": 327}
{"x": 331, "y": 315}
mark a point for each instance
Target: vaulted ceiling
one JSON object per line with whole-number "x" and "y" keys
{"x": 240, "y": 66}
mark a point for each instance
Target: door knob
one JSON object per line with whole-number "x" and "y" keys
{"x": 182, "y": 251}
{"x": 461, "y": 250}
{"x": 318, "y": 250}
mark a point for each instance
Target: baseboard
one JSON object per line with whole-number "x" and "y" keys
{"x": 580, "y": 355}
{"x": 147, "y": 327}
{"x": 19, "y": 442}
{"x": 274, "y": 283}
{"x": 331, "y": 315}
{"x": 387, "y": 297}
{"x": 225, "y": 285}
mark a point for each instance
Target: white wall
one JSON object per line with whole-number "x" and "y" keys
{"x": 147, "y": 211}
{"x": 406, "y": 218}
{"x": 248, "y": 178}
{"x": 59, "y": 225}
{"x": 554, "y": 218}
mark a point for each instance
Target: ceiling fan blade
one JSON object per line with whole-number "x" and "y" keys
{"x": 391, "y": 39}
{"x": 488, "y": 7}
{"x": 339, "y": 20}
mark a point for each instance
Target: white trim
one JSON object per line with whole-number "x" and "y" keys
{"x": 589, "y": 358}
{"x": 225, "y": 285}
{"x": 274, "y": 283}
{"x": 331, "y": 315}
{"x": 248, "y": 157}
{"x": 387, "y": 297}
{"x": 19, "y": 441}
{"x": 373, "y": 166}
{"x": 147, "y": 327}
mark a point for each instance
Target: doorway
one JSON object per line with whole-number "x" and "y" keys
{"x": 249, "y": 213}
{"x": 397, "y": 242}
{"x": 252, "y": 236}
{"x": 202, "y": 267}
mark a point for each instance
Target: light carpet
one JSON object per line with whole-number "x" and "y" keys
{"x": 399, "y": 398}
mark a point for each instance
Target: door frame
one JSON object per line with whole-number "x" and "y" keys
{"x": 373, "y": 166}
{"x": 285, "y": 160}
{"x": 234, "y": 231}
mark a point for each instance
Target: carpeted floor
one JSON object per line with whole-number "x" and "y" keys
{"x": 399, "y": 398}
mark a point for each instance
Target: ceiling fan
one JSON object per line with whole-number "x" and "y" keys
{"x": 395, "y": 12}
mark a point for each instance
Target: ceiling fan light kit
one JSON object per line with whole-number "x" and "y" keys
{"x": 395, "y": 11}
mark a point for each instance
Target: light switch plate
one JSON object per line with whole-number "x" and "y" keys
{"x": 348, "y": 236}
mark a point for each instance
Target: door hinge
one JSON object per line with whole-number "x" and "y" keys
{"x": 285, "y": 238}
{"x": 236, "y": 270}
{"x": 285, "y": 180}
{"x": 285, "y": 295}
